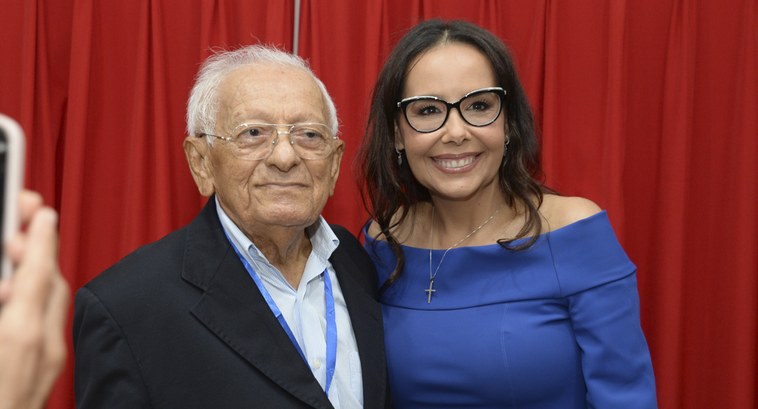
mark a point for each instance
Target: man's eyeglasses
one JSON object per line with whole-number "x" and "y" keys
{"x": 255, "y": 141}
{"x": 478, "y": 108}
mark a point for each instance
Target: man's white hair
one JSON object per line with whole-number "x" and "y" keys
{"x": 203, "y": 103}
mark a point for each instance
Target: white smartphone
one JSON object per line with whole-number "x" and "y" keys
{"x": 11, "y": 180}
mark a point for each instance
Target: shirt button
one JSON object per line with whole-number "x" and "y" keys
{"x": 316, "y": 363}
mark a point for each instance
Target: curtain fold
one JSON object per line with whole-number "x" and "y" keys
{"x": 647, "y": 107}
{"x": 348, "y": 65}
{"x": 673, "y": 213}
{"x": 102, "y": 97}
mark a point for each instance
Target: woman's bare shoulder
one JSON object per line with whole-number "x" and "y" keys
{"x": 403, "y": 227}
{"x": 559, "y": 211}
{"x": 373, "y": 229}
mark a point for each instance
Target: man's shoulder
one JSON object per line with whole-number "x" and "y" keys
{"x": 348, "y": 242}
{"x": 342, "y": 233}
{"x": 146, "y": 265}
{"x": 352, "y": 256}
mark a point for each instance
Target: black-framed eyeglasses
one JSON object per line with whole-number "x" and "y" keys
{"x": 255, "y": 141}
{"x": 479, "y": 107}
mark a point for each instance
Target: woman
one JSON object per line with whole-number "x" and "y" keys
{"x": 498, "y": 293}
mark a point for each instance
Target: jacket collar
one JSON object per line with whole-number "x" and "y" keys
{"x": 233, "y": 308}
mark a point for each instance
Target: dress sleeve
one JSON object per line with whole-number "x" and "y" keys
{"x": 600, "y": 283}
{"x": 106, "y": 373}
{"x": 615, "y": 358}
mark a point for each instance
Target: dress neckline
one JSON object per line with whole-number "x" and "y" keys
{"x": 561, "y": 230}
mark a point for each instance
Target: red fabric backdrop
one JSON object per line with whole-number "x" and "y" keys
{"x": 648, "y": 107}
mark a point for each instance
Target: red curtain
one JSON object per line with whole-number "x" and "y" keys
{"x": 647, "y": 107}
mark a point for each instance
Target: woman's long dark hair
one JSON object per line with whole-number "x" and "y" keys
{"x": 389, "y": 190}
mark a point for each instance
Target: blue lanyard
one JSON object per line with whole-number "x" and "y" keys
{"x": 331, "y": 320}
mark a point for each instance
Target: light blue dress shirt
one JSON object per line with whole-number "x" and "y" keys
{"x": 305, "y": 312}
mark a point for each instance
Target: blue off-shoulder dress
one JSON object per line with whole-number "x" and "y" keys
{"x": 555, "y": 326}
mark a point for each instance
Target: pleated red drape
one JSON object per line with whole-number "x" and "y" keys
{"x": 100, "y": 88}
{"x": 647, "y": 107}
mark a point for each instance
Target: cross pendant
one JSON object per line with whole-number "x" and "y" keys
{"x": 429, "y": 291}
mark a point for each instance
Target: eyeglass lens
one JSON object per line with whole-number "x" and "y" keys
{"x": 256, "y": 141}
{"x": 430, "y": 114}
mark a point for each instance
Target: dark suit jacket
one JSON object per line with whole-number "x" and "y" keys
{"x": 180, "y": 324}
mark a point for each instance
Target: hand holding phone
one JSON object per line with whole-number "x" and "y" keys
{"x": 11, "y": 180}
{"x": 34, "y": 305}
{"x": 34, "y": 310}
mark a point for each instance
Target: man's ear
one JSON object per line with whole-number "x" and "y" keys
{"x": 336, "y": 161}
{"x": 197, "y": 150}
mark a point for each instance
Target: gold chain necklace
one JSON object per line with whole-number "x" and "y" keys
{"x": 432, "y": 276}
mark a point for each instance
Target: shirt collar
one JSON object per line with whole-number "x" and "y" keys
{"x": 323, "y": 239}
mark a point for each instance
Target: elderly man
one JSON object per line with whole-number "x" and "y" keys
{"x": 257, "y": 303}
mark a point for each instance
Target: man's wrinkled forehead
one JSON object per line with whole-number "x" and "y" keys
{"x": 268, "y": 92}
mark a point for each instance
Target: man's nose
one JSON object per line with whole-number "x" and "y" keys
{"x": 283, "y": 154}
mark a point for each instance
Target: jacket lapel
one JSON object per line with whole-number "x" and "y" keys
{"x": 234, "y": 309}
{"x": 365, "y": 317}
